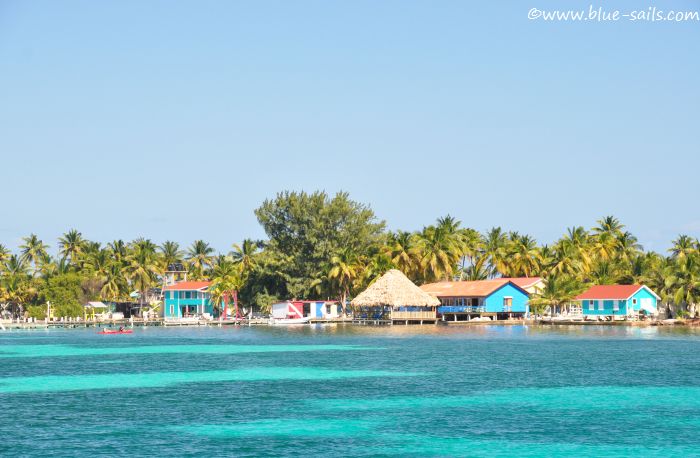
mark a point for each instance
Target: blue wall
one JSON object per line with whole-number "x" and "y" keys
{"x": 592, "y": 307}
{"x": 176, "y": 300}
{"x": 644, "y": 294}
{"x": 494, "y": 301}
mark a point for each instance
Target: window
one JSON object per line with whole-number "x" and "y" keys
{"x": 601, "y": 305}
{"x": 616, "y": 306}
{"x": 475, "y": 301}
{"x": 634, "y": 301}
{"x": 187, "y": 294}
{"x": 591, "y": 305}
{"x": 172, "y": 310}
{"x": 507, "y": 301}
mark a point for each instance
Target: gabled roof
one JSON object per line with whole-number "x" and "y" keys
{"x": 523, "y": 282}
{"x": 478, "y": 288}
{"x": 96, "y": 305}
{"x": 616, "y": 292}
{"x": 188, "y": 286}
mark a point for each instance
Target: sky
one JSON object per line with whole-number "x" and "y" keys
{"x": 174, "y": 120}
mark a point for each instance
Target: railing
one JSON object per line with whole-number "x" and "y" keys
{"x": 461, "y": 308}
{"x": 422, "y": 315}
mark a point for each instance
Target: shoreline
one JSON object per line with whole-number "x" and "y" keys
{"x": 6, "y": 325}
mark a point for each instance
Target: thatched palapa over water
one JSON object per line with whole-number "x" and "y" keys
{"x": 394, "y": 289}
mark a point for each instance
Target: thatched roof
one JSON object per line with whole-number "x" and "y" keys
{"x": 395, "y": 290}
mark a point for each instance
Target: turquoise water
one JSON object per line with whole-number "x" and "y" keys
{"x": 352, "y": 391}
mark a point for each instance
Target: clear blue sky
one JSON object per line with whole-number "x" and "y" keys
{"x": 175, "y": 119}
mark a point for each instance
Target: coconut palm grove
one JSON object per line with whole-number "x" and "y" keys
{"x": 331, "y": 247}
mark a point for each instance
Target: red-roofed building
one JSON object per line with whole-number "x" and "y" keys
{"x": 188, "y": 299}
{"x": 618, "y": 301}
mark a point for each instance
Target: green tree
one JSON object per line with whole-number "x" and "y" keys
{"x": 558, "y": 291}
{"x": 227, "y": 279}
{"x": 170, "y": 253}
{"x": 33, "y": 251}
{"x": 142, "y": 267}
{"x": 306, "y": 230}
{"x": 346, "y": 268}
{"x": 71, "y": 246}
{"x": 65, "y": 294}
{"x": 402, "y": 249}
{"x": 246, "y": 254}
{"x": 199, "y": 257}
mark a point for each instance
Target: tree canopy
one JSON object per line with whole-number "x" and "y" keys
{"x": 331, "y": 247}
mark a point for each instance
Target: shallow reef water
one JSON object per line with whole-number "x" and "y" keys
{"x": 342, "y": 390}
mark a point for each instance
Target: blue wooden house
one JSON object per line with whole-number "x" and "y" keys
{"x": 499, "y": 298}
{"x": 624, "y": 301}
{"x": 187, "y": 299}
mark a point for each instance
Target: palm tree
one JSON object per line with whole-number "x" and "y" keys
{"x": 4, "y": 255}
{"x": 440, "y": 248}
{"x": 33, "y": 251}
{"x": 245, "y": 254}
{"x": 98, "y": 263}
{"x": 683, "y": 246}
{"x": 71, "y": 246}
{"x": 115, "y": 284}
{"x": 604, "y": 272}
{"x": 495, "y": 247}
{"x": 170, "y": 253}
{"x": 227, "y": 280}
{"x": 609, "y": 225}
{"x": 16, "y": 266}
{"x": 683, "y": 282}
{"x": 199, "y": 258}
{"x": 142, "y": 266}
{"x": 17, "y": 291}
{"x": 605, "y": 237}
{"x": 558, "y": 290}
{"x": 477, "y": 270}
{"x": 346, "y": 268}
{"x": 628, "y": 246}
{"x": 401, "y": 248}
{"x": 473, "y": 245}
{"x": 525, "y": 257}
{"x": 119, "y": 250}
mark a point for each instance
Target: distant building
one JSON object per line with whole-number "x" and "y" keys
{"x": 619, "y": 301}
{"x": 533, "y": 285}
{"x": 500, "y": 298}
{"x": 175, "y": 272}
{"x": 187, "y": 298}
{"x": 306, "y": 309}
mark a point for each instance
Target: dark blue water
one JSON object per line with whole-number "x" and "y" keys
{"x": 352, "y": 391}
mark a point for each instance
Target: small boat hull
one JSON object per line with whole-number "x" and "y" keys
{"x": 287, "y": 321}
{"x": 126, "y": 331}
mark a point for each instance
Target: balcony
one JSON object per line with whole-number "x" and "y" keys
{"x": 461, "y": 309}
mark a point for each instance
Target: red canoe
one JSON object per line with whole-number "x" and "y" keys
{"x": 109, "y": 331}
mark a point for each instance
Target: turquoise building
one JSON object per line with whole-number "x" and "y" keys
{"x": 187, "y": 299}
{"x": 498, "y": 298}
{"x": 619, "y": 301}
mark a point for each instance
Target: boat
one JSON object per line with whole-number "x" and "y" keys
{"x": 282, "y": 321}
{"x": 111, "y": 331}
